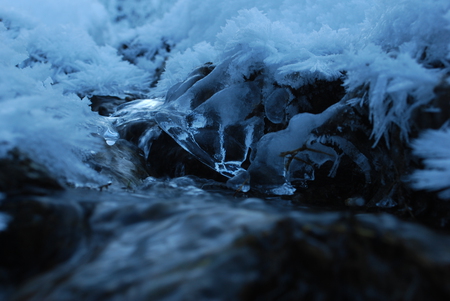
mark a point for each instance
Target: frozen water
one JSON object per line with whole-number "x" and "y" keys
{"x": 240, "y": 182}
{"x": 350, "y": 150}
{"x": 275, "y": 105}
{"x": 110, "y": 136}
{"x": 390, "y": 55}
{"x": 217, "y": 131}
{"x": 270, "y": 163}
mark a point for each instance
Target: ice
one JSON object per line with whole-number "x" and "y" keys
{"x": 177, "y": 127}
{"x": 275, "y": 105}
{"x": 433, "y": 146}
{"x": 223, "y": 67}
{"x": 269, "y": 168}
{"x": 350, "y": 150}
{"x": 110, "y": 136}
{"x": 232, "y": 104}
{"x": 240, "y": 181}
{"x": 219, "y": 132}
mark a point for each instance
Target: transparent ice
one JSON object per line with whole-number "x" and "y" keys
{"x": 217, "y": 131}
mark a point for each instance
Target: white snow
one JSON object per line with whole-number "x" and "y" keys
{"x": 54, "y": 53}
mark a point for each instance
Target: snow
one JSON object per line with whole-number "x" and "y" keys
{"x": 54, "y": 54}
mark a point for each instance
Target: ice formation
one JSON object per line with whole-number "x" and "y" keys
{"x": 229, "y": 73}
{"x": 434, "y": 146}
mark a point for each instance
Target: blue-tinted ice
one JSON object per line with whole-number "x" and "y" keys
{"x": 246, "y": 130}
{"x": 220, "y": 131}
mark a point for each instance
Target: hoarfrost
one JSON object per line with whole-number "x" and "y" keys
{"x": 390, "y": 55}
{"x": 433, "y": 146}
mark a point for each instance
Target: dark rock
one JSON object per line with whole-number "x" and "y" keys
{"x": 105, "y": 105}
{"x": 320, "y": 95}
{"x": 436, "y": 113}
{"x": 19, "y": 174}
{"x": 43, "y": 232}
{"x": 168, "y": 159}
{"x": 122, "y": 162}
{"x": 160, "y": 249}
{"x": 349, "y": 259}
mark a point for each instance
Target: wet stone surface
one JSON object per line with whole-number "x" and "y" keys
{"x": 174, "y": 241}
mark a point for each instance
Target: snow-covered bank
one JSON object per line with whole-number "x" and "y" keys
{"x": 390, "y": 56}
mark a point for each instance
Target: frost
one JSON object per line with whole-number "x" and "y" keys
{"x": 217, "y": 63}
{"x": 397, "y": 85}
{"x": 433, "y": 146}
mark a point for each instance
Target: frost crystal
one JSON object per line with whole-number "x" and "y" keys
{"x": 390, "y": 56}
{"x": 433, "y": 146}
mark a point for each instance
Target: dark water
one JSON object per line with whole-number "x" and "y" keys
{"x": 173, "y": 240}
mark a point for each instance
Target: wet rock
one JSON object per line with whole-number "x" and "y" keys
{"x": 168, "y": 159}
{"x": 314, "y": 144}
{"x": 105, "y": 105}
{"x": 19, "y": 174}
{"x": 214, "y": 248}
{"x": 42, "y": 233}
{"x": 366, "y": 258}
{"x": 122, "y": 162}
{"x": 364, "y": 170}
{"x": 234, "y": 127}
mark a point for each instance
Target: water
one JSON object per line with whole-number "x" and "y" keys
{"x": 165, "y": 240}
{"x": 173, "y": 240}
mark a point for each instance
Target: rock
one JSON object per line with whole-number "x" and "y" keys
{"x": 349, "y": 259}
{"x": 436, "y": 113}
{"x": 105, "y": 105}
{"x": 19, "y": 174}
{"x": 168, "y": 159}
{"x": 213, "y": 248}
{"x": 43, "y": 232}
{"x": 122, "y": 162}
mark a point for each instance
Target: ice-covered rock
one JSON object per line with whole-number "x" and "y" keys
{"x": 289, "y": 155}
{"x": 260, "y": 135}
